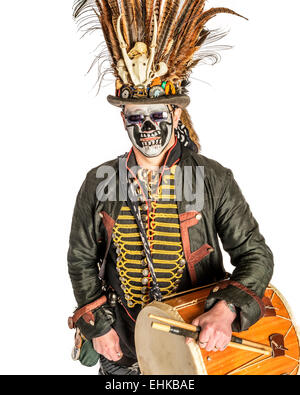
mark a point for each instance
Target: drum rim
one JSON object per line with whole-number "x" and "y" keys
{"x": 193, "y": 346}
{"x": 291, "y": 316}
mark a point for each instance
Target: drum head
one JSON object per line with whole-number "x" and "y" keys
{"x": 161, "y": 353}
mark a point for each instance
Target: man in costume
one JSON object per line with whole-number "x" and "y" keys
{"x": 137, "y": 240}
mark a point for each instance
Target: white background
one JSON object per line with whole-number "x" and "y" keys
{"x": 54, "y": 129}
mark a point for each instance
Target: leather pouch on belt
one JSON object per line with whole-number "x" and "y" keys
{"x": 83, "y": 350}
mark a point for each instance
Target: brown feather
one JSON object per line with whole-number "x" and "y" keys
{"x": 112, "y": 42}
{"x": 157, "y": 9}
{"x": 185, "y": 27}
{"x": 206, "y": 16}
{"x": 127, "y": 11}
{"x": 104, "y": 29}
{"x": 180, "y": 26}
{"x": 191, "y": 38}
{"x": 127, "y": 34}
{"x": 115, "y": 12}
{"x": 164, "y": 13}
{"x": 167, "y": 24}
{"x": 185, "y": 8}
{"x": 137, "y": 15}
{"x": 202, "y": 37}
{"x": 149, "y": 5}
{"x": 143, "y": 8}
{"x": 187, "y": 15}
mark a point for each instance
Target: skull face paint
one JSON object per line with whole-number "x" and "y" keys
{"x": 149, "y": 127}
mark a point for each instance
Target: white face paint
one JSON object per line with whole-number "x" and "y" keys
{"x": 149, "y": 127}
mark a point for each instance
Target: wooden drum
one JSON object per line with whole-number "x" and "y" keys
{"x": 161, "y": 353}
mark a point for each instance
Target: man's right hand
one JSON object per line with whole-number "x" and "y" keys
{"x": 108, "y": 345}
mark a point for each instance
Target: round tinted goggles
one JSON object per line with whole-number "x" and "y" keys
{"x": 157, "y": 116}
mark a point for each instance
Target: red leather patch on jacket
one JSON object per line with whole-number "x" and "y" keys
{"x": 186, "y": 221}
{"x": 108, "y": 223}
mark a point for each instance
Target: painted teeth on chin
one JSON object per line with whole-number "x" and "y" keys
{"x": 150, "y": 143}
{"x": 154, "y": 134}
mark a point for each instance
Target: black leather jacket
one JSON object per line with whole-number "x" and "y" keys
{"x": 225, "y": 213}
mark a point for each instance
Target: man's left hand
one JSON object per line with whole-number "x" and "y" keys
{"x": 215, "y": 326}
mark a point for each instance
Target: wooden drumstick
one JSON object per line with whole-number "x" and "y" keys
{"x": 196, "y": 329}
{"x": 194, "y": 335}
{"x": 179, "y": 324}
{"x": 175, "y": 330}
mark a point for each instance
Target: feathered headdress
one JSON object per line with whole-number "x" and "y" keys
{"x": 152, "y": 45}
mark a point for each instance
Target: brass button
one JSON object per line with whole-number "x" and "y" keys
{"x": 145, "y": 217}
{"x": 101, "y": 215}
{"x": 145, "y": 272}
{"x": 198, "y": 217}
{"x": 180, "y": 271}
{"x": 144, "y": 290}
{"x": 130, "y": 303}
{"x": 182, "y": 262}
{"x": 144, "y": 207}
{"x": 145, "y": 281}
{"x": 127, "y": 297}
